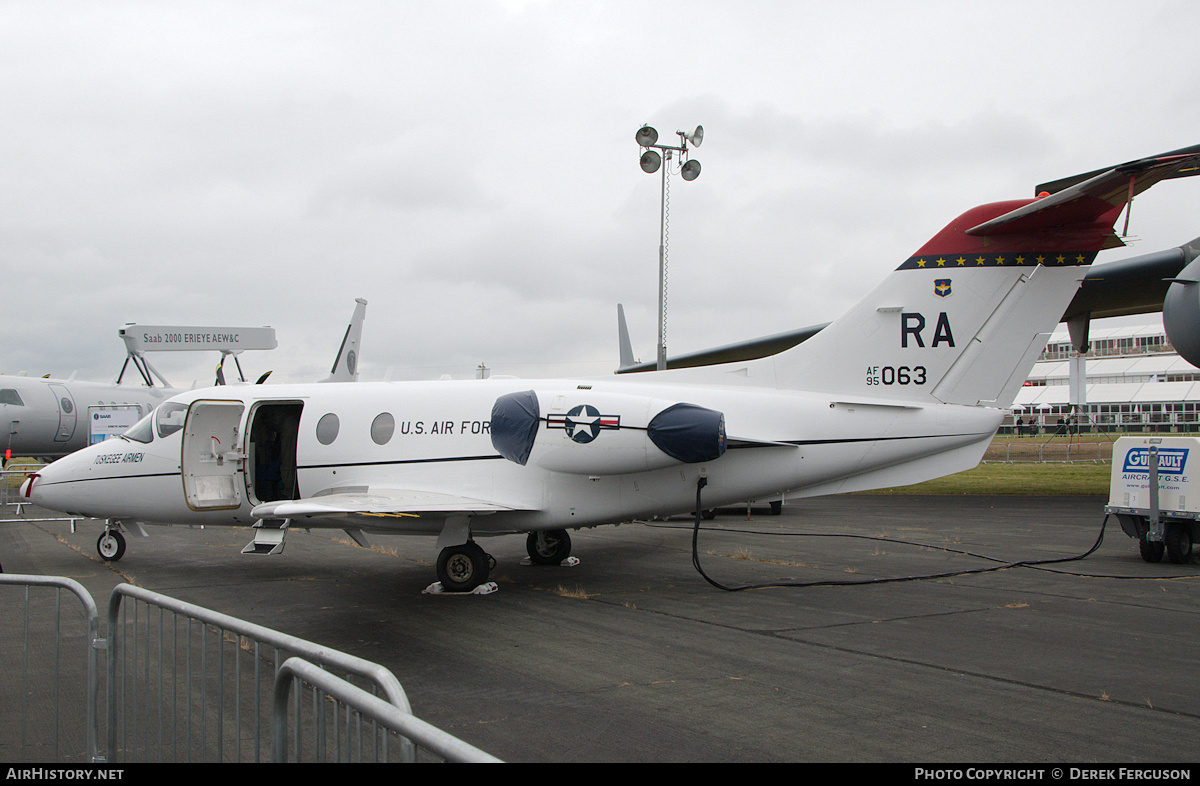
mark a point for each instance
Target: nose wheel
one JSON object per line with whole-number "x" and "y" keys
{"x": 111, "y": 545}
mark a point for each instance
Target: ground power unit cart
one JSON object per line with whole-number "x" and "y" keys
{"x": 1151, "y": 494}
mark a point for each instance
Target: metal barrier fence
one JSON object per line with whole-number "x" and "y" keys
{"x": 184, "y": 683}
{"x": 155, "y": 681}
{"x": 11, "y": 478}
{"x": 52, "y": 641}
{"x": 1049, "y": 451}
{"x": 357, "y": 704}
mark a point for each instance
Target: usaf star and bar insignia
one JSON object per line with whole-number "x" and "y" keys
{"x": 583, "y": 423}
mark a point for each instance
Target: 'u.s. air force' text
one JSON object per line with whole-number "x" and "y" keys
{"x": 442, "y": 427}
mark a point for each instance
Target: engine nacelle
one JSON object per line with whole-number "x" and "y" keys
{"x": 1181, "y": 313}
{"x": 589, "y": 433}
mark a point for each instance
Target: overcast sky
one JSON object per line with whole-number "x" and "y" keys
{"x": 469, "y": 167}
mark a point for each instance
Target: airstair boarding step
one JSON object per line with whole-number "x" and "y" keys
{"x": 268, "y": 537}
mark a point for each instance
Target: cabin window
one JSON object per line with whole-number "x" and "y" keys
{"x": 10, "y": 396}
{"x": 382, "y": 428}
{"x": 327, "y": 429}
{"x": 169, "y": 418}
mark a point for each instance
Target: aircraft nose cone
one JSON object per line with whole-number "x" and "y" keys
{"x": 37, "y": 489}
{"x": 27, "y": 486}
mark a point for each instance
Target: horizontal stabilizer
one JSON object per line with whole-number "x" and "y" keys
{"x": 1054, "y": 186}
{"x": 1092, "y": 199}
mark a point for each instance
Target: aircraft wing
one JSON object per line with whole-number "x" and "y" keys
{"x": 731, "y": 353}
{"x": 378, "y": 502}
{"x": 1130, "y": 286}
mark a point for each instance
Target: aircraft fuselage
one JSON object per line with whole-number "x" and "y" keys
{"x": 437, "y": 435}
{"x": 52, "y": 417}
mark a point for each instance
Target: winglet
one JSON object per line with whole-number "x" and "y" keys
{"x": 345, "y": 365}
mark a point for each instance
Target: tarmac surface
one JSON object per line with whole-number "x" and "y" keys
{"x": 633, "y": 656}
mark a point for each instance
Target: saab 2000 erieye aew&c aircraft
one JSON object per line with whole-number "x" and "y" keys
{"x": 910, "y": 384}
{"x": 44, "y": 417}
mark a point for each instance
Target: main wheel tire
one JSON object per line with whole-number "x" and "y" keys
{"x": 1178, "y": 541}
{"x": 1152, "y": 550}
{"x": 548, "y": 548}
{"x": 462, "y": 568}
{"x": 111, "y": 545}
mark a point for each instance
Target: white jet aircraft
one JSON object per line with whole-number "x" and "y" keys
{"x": 47, "y": 418}
{"x": 909, "y": 385}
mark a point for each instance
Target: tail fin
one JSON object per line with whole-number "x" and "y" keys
{"x": 963, "y": 320}
{"x": 625, "y": 346}
{"x": 345, "y": 365}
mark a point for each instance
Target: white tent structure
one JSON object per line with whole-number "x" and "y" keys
{"x": 1134, "y": 382}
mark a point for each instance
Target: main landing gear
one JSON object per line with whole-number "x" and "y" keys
{"x": 464, "y": 567}
{"x": 548, "y": 548}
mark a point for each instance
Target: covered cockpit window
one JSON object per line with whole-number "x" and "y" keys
{"x": 10, "y": 396}
{"x": 169, "y": 418}
{"x": 142, "y": 431}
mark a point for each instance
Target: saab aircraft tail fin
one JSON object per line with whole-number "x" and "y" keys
{"x": 345, "y": 365}
{"x": 625, "y": 346}
{"x": 963, "y": 320}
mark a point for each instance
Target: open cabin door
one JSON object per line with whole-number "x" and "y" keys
{"x": 271, "y": 453}
{"x": 212, "y": 458}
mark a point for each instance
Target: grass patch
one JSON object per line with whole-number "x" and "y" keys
{"x": 1079, "y": 465}
{"x": 15, "y": 469}
{"x": 1026, "y": 478}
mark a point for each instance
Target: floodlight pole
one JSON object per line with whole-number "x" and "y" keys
{"x": 647, "y": 138}
{"x": 662, "y": 268}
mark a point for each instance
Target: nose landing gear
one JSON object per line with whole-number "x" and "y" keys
{"x": 111, "y": 544}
